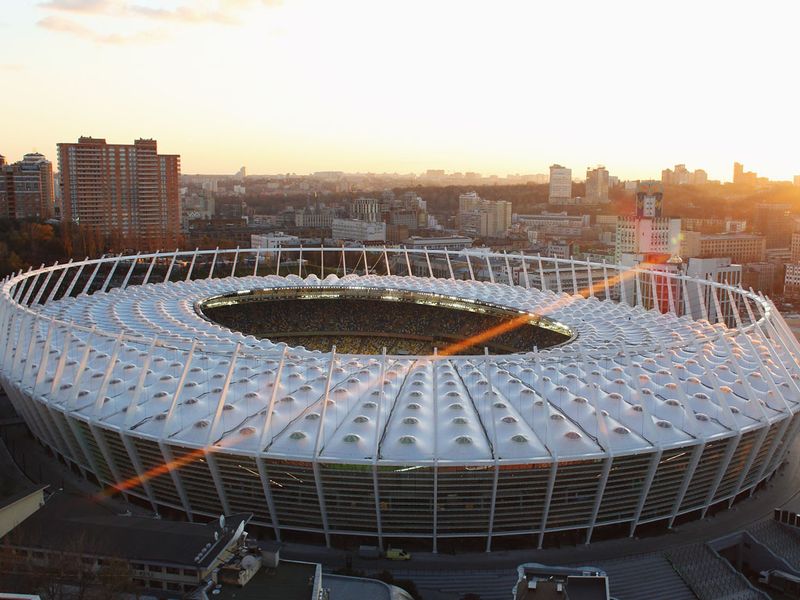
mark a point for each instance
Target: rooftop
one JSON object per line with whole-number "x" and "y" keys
{"x": 290, "y": 581}
{"x": 71, "y": 522}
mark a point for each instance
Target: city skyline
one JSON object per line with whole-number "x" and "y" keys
{"x": 297, "y": 86}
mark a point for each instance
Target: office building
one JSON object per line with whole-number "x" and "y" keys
{"x": 127, "y": 191}
{"x": 353, "y": 230}
{"x": 596, "y": 186}
{"x": 642, "y": 235}
{"x": 741, "y": 248}
{"x": 560, "y": 185}
{"x": 454, "y": 242}
{"x": 26, "y": 188}
{"x": 275, "y": 239}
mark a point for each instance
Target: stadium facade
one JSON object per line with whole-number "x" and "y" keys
{"x": 644, "y": 414}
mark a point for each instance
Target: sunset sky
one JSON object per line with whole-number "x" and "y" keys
{"x": 495, "y": 87}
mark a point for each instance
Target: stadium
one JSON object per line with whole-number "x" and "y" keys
{"x": 430, "y": 397}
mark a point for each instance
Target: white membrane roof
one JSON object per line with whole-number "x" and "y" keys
{"x": 631, "y": 380}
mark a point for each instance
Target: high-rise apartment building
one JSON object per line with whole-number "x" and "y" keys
{"x": 560, "y": 185}
{"x": 483, "y": 218}
{"x": 775, "y": 223}
{"x": 128, "y": 191}
{"x": 26, "y": 188}
{"x": 742, "y": 177}
{"x": 596, "y": 186}
{"x": 683, "y": 176}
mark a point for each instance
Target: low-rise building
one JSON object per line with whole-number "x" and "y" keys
{"x": 353, "y": 230}
{"x": 453, "y": 242}
{"x": 275, "y": 239}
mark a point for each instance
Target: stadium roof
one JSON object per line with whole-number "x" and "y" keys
{"x": 631, "y": 380}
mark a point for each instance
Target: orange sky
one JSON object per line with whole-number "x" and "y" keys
{"x": 495, "y": 87}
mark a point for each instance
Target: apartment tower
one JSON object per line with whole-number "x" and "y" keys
{"x": 127, "y": 191}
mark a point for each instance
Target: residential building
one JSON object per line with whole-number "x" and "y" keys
{"x": 128, "y": 191}
{"x": 560, "y": 185}
{"x": 742, "y": 177}
{"x": 314, "y": 217}
{"x": 26, "y": 188}
{"x": 366, "y": 209}
{"x": 483, "y": 218}
{"x": 596, "y": 186}
{"x": 354, "y": 230}
{"x": 775, "y": 223}
{"x": 766, "y": 277}
{"x": 683, "y": 176}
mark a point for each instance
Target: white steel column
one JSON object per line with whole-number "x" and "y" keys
{"x": 213, "y": 430}
{"x": 213, "y": 264}
{"x": 526, "y": 279}
{"x": 235, "y": 260}
{"x": 44, "y": 285}
{"x": 130, "y": 271}
{"x": 449, "y": 264}
{"x": 376, "y": 449}
{"x": 435, "y": 451}
{"x": 575, "y": 289}
{"x": 601, "y": 489}
{"x": 88, "y": 285}
{"x": 726, "y": 460}
{"x": 648, "y": 482}
{"x": 172, "y": 467}
{"x": 213, "y": 468}
{"x": 428, "y": 260}
{"x": 60, "y": 280}
{"x": 140, "y": 471}
{"x": 171, "y": 265}
{"x": 111, "y": 272}
{"x": 150, "y": 269}
{"x": 551, "y": 482}
{"x": 687, "y": 478}
{"x": 263, "y": 474}
{"x": 74, "y": 280}
{"x": 191, "y": 265}
{"x": 318, "y": 440}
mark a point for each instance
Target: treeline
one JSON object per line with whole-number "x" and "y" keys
{"x": 31, "y": 243}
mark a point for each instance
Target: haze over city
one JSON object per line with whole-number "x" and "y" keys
{"x": 301, "y": 86}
